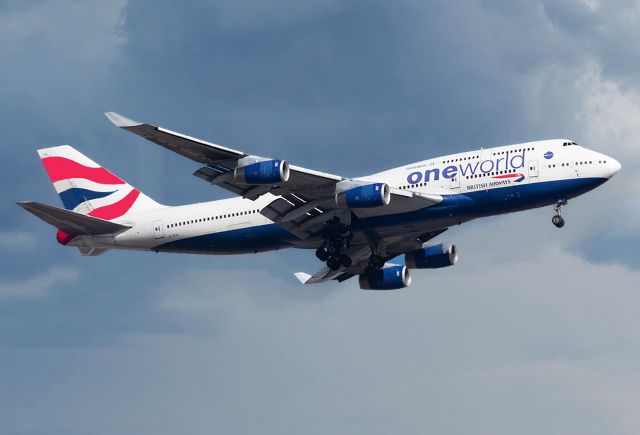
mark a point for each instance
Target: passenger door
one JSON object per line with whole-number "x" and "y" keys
{"x": 158, "y": 229}
{"x": 455, "y": 182}
{"x": 533, "y": 169}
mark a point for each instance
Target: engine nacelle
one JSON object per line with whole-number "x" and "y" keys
{"x": 388, "y": 278}
{"x": 369, "y": 195}
{"x": 432, "y": 257}
{"x": 265, "y": 172}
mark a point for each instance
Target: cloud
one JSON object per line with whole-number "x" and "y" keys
{"x": 524, "y": 335}
{"x": 38, "y": 286}
{"x": 17, "y": 240}
{"x": 251, "y": 15}
{"x": 513, "y": 348}
{"x": 77, "y": 43}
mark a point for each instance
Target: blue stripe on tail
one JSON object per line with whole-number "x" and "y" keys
{"x": 73, "y": 197}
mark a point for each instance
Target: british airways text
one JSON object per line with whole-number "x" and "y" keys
{"x": 511, "y": 160}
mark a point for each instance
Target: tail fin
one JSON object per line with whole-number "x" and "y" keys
{"x": 87, "y": 188}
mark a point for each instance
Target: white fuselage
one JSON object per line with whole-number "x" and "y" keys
{"x": 475, "y": 184}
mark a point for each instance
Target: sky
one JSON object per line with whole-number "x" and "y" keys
{"x": 535, "y": 330}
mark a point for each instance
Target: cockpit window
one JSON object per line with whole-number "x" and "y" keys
{"x": 568, "y": 144}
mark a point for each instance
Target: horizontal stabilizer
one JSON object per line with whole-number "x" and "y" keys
{"x": 70, "y": 222}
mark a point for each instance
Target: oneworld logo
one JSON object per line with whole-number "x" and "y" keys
{"x": 508, "y": 162}
{"x": 548, "y": 155}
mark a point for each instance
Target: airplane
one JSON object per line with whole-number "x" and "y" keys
{"x": 375, "y": 227}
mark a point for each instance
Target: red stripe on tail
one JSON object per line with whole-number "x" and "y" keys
{"x": 116, "y": 209}
{"x": 60, "y": 168}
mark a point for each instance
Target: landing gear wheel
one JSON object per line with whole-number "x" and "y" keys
{"x": 333, "y": 263}
{"x": 345, "y": 260}
{"x": 332, "y": 250}
{"x": 369, "y": 269}
{"x": 558, "y": 221}
{"x": 322, "y": 254}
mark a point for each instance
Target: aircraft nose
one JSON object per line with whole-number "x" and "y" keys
{"x": 614, "y": 166}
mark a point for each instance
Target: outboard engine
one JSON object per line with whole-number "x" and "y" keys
{"x": 432, "y": 257}
{"x": 388, "y": 278}
{"x": 264, "y": 172}
{"x": 369, "y": 195}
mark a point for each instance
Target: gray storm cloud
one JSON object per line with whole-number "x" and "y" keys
{"x": 533, "y": 330}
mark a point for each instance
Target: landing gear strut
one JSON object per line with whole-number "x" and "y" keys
{"x": 322, "y": 254}
{"x": 376, "y": 260}
{"x": 557, "y": 220}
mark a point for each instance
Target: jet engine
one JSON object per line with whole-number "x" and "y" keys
{"x": 265, "y": 172}
{"x": 388, "y": 278}
{"x": 366, "y": 196}
{"x": 432, "y": 257}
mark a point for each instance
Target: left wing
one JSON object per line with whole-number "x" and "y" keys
{"x": 305, "y": 199}
{"x": 360, "y": 257}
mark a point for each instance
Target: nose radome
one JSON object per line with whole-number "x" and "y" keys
{"x": 614, "y": 166}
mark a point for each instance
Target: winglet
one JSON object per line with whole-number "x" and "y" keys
{"x": 121, "y": 121}
{"x": 302, "y": 277}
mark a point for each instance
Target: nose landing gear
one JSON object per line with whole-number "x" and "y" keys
{"x": 557, "y": 220}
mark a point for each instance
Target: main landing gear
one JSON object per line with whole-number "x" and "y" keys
{"x": 333, "y": 250}
{"x": 557, "y": 220}
{"x": 376, "y": 260}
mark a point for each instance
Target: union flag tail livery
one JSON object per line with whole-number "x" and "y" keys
{"x": 375, "y": 227}
{"x": 86, "y": 187}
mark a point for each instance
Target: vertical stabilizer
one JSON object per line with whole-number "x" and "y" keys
{"x": 86, "y": 187}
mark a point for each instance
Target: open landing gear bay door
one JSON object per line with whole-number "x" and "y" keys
{"x": 304, "y": 199}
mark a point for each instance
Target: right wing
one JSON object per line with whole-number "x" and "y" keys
{"x": 392, "y": 247}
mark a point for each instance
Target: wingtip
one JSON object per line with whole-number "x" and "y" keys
{"x": 121, "y": 121}
{"x": 302, "y": 277}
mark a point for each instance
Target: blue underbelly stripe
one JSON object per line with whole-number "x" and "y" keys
{"x": 460, "y": 206}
